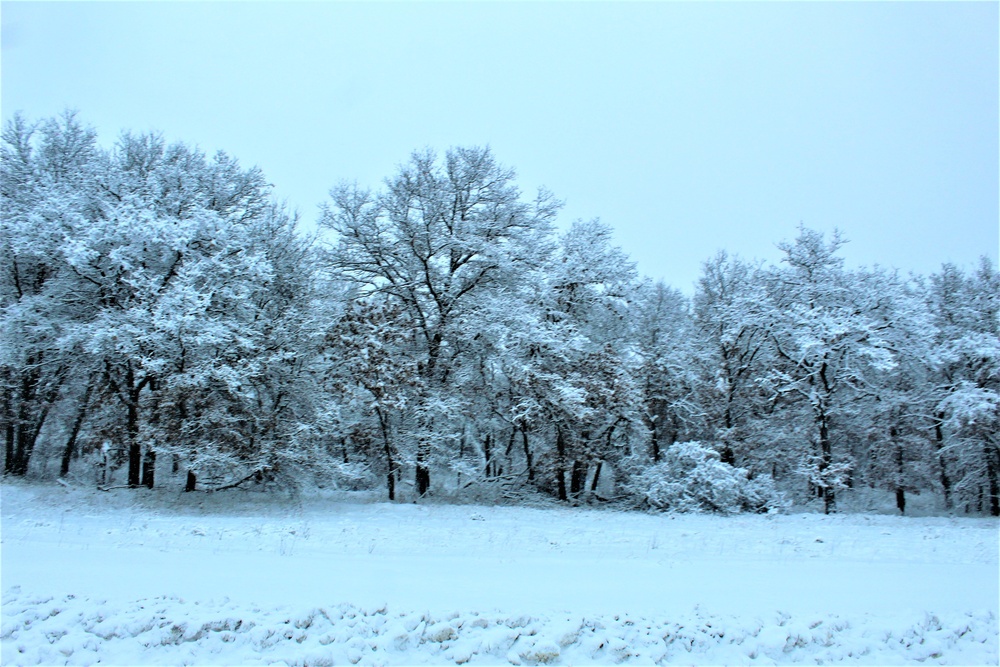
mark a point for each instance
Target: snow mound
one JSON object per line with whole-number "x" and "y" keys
{"x": 72, "y": 630}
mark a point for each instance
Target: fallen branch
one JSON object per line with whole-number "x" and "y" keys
{"x": 255, "y": 473}
{"x": 499, "y": 480}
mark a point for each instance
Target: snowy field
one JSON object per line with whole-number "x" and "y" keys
{"x": 237, "y": 578}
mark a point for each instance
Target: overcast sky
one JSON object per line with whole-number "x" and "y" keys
{"x": 688, "y": 128}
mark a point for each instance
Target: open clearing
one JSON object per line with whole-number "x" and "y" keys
{"x": 139, "y": 577}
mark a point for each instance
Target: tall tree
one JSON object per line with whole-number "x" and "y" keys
{"x": 668, "y": 345}
{"x": 731, "y": 316}
{"x": 151, "y": 257}
{"x": 824, "y": 332}
{"x": 967, "y": 361}
{"x": 47, "y": 192}
{"x": 442, "y": 232}
{"x": 591, "y": 286}
{"x": 370, "y": 364}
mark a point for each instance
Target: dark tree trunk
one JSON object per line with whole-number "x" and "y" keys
{"x": 527, "y": 454}
{"x": 653, "y": 424}
{"x": 423, "y": 473}
{"x": 597, "y": 476}
{"x": 181, "y": 413}
{"x": 25, "y": 436}
{"x": 486, "y": 454}
{"x": 561, "y": 464}
{"x": 826, "y": 460}
{"x": 70, "y": 450}
{"x": 8, "y": 462}
{"x": 898, "y": 455}
{"x": 149, "y": 469}
{"x": 34, "y": 398}
{"x": 507, "y": 452}
{"x": 129, "y": 395}
{"x": 390, "y": 479}
{"x": 939, "y": 441}
{"x": 578, "y": 478}
{"x": 134, "y": 450}
{"x": 191, "y": 482}
{"x": 8, "y": 432}
{"x": 991, "y": 479}
{"x": 727, "y": 455}
{"x": 390, "y": 476}
{"x": 21, "y": 449}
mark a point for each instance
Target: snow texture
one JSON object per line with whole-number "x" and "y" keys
{"x": 164, "y": 578}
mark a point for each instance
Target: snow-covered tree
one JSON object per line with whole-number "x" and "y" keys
{"x": 668, "y": 345}
{"x": 732, "y": 318}
{"x": 48, "y": 191}
{"x": 370, "y": 364}
{"x": 966, "y": 358}
{"x": 826, "y": 335}
{"x": 167, "y": 261}
{"x": 888, "y": 416}
{"x": 159, "y": 289}
{"x": 439, "y": 235}
{"x": 590, "y": 284}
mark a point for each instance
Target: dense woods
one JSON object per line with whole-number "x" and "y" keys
{"x": 162, "y": 321}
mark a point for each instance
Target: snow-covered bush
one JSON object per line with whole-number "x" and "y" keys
{"x": 692, "y": 478}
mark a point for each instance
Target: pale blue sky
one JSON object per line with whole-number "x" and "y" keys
{"x": 686, "y": 127}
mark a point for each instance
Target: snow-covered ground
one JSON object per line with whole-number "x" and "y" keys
{"x": 138, "y": 577}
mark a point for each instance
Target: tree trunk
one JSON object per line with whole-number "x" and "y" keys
{"x": 390, "y": 477}
{"x": 25, "y": 436}
{"x": 597, "y": 477}
{"x": 826, "y": 460}
{"x": 70, "y": 451}
{"x": 27, "y": 426}
{"x": 191, "y": 482}
{"x": 21, "y": 451}
{"x": 527, "y": 454}
{"x": 149, "y": 469}
{"x": 654, "y": 435}
{"x": 578, "y": 478}
{"x": 900, "y": 492}
{"x": 134, "y": 451}
{"x": 423, "y": 473}
{"x": 8, "y": 432}
{"x": 561, "y": 464}
{"x": 129, "y": 395}
{"x": 945, "y": 481}
{"x": 488, "y": 470}
{"x": 728, "y": 456}
{"x": 991, "y": 479}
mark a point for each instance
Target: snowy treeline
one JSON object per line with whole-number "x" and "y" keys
{"x": 162, "y": 316}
